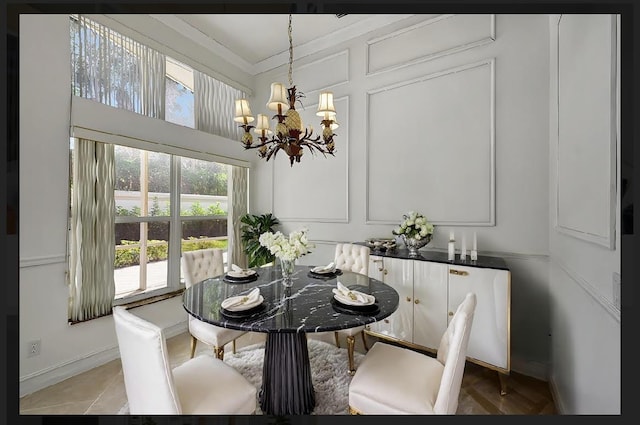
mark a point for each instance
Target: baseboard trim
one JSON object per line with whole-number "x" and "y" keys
{"x": 530, "y": 368}
{"x": 555, "y": 394}
{"x": 58, "y": 373}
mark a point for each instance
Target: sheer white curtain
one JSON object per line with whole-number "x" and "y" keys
{"x": 116, "y": 70}
{"x": 214, "y": 110}
{"x": 214, "y": 103}
{"x": 237, "y": 190}
{"x": 91, "y": 283}
{"x": 120, "y": 72}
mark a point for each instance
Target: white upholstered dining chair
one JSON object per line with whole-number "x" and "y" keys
{"x": 197, "y": 266}
{"x": 354, "y": 258}
{"x": 394, "y": 380}
{"x": 202, "y": 385}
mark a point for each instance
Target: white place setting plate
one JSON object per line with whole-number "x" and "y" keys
{"x": 241, "y": 274}
{"x": 243, "y": 302}
{"x": 369, "y": 299}
{"x": 331, "y": 268}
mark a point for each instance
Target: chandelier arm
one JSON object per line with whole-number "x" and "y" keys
{"x": 273, "y": 152}
{"x": 309, "y": 139}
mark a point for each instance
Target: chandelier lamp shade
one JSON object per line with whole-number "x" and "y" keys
{"x": 289, "y": 133}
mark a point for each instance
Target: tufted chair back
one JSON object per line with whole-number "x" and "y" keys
{"x": 202, "y": 264}
{"x": 352, "y": 257}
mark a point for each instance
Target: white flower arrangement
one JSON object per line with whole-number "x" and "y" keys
{"x": 287, "y": 248}
{"x": 414, "y": 226}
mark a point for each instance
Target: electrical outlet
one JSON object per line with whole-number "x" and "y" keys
{"x": 616, "y": 290}
{"x": 33, "y": 348}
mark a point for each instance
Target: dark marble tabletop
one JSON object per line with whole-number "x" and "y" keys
{"x": 307, "y": 306}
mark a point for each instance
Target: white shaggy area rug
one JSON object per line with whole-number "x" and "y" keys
{"x": 329, "y": 366}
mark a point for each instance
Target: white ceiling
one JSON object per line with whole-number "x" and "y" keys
{"x": 259, "y": 42}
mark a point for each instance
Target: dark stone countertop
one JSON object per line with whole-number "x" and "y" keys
{"x": 308, "y": 306}
{"x": 483, "y": 261}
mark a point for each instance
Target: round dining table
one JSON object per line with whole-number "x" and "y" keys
{"x": 286, "y": 315}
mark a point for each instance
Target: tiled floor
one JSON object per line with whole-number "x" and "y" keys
{"x": 101, "y": 390}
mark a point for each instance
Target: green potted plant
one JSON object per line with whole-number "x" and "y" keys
{"x": 252, "y": 226}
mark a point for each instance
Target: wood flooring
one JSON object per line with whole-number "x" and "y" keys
{"x": 100, "y": 391}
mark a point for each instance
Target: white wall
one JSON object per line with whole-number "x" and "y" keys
{"x": 521, "y": 107}
{"x": 585, "y": 326}
{"x": 44, "y": 165}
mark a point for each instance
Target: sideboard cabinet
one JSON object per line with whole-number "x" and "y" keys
{"x": 431, "y": 288}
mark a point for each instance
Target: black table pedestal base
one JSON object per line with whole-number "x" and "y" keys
{"x": 287, "y": 388}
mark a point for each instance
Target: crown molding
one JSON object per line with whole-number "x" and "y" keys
{"x": 352, "y": 31}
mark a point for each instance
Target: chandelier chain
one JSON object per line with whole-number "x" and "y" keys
{"x": 290, "y": 54}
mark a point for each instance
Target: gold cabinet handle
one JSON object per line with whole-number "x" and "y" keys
{"x": 458, "y": 272}
{"x": 386, "y": 320}
{"x": 384, "y": 271}
{"x": 417, "y": 301}
{"x": 451, "y": 313}
{"x": 408, "y": 299}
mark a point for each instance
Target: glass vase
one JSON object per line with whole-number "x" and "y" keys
{"x": 287, "y": 267}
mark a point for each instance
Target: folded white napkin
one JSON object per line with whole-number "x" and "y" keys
{"x": 351, "y": 297}
{"x": 329, "y": 268}
{"x": 243, "y": 302}
{"x": 237, "y": 271}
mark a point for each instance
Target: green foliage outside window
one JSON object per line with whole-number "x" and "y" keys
{"x": 131, "y": 256}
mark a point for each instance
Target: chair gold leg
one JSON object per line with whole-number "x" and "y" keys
{"x": 351, "y": 342}
{"x": 364, "y": 341}
{"x": 194, "y": 341}
{"x": 234, "y": 346}
{"x": 335, "y": 335}
{"x": 219, "y": 352}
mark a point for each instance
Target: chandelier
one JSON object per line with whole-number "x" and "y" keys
{"x": 290, "y": 135}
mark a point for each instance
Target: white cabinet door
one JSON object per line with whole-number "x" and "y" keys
{"x": 429, "y": 303}
{"x": 398, "y": 273}
{"x": 489, "y": 338}
{"x": 376, "y": 266}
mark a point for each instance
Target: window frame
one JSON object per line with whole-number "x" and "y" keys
{"x": 174, "y": 251}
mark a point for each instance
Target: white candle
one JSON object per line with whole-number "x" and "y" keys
{"x": 451, "y": 236}
{"x": 475, "y": 242}
{"x": 463, "y": 248}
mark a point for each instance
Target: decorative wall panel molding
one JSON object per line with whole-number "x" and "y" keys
{"x": 586, "y": 189}
{"x": 442, "y": 35}
{"x": 43, "y": 260}
{"x": 335, "y": 71}
{"x": 317, "y": 188}
{"x": 589, "y": 289}
{"x": 441, "y": 168}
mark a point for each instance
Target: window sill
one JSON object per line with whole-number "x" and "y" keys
{"x": 153, "y": 299}
{"x": 138, "y": 303}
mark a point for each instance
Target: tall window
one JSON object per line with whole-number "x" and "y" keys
{"x": 165, "y": 205}
{"x": 115, "y": 70}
